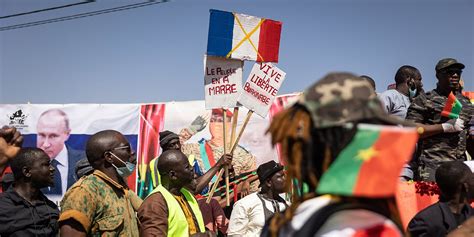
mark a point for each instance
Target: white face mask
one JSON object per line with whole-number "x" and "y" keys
{"x": 126, "y": 170}
{"x": 412, "y": 92}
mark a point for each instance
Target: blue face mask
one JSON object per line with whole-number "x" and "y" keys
{"x": 412, "y": 92}
{"x": 126, "y": 170}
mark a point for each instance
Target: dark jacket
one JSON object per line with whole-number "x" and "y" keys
{"x": 20, "y": 218}
{"x": 437, "y": 220}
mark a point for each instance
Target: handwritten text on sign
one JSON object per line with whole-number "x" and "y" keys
{"x": 222, "y": 82}
{"x": 261, "y": 87}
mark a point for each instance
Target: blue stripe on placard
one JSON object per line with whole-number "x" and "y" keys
{"x": 221, "y": 28}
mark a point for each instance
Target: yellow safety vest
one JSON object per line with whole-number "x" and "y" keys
{"x": 177, "y": 223}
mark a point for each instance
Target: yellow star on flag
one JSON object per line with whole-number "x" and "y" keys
{"x": 366, "y": 154}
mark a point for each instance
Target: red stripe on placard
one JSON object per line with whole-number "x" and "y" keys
{"x": 269, "y": 41}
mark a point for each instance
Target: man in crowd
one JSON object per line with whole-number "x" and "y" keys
{"x": 441, "y": 139}
{"x": 456, "y": 183}
{"x": 370, "y": 80}
{"x": 171, "y": 210}
{"x": 250, "y": 213}
{"x": 407, "y": 85}
{"x": 53, "y": 131}
{"x": 101, "y": 204}
{"x": 170, "y": 141}
{"x": 313, "y": 133}
{"x": 206, "y": 151}
{"x": 25, "y": 210}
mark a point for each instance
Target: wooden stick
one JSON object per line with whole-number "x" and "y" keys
{"x": 246, "y": 121}
{"x": 234, "y": 145}
{"x": 225, "y": 152}
{"x": 235, "y": 119}
{"x": 214, "y": 186}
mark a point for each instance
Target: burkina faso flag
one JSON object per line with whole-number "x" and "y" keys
{"x": 452, "y": 108}
{"x": 370, "y": 165}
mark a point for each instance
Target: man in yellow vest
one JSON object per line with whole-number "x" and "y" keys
{"x": 171, "y": 210}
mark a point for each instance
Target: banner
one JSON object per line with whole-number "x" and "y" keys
{"x": 141, "y": 125}
{"x": 222, "y": 82}
{"x": 262, "y": 87}
{"x": 63, "y": 130}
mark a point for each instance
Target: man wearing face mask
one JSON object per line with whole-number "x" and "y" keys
{"x": 207, "y": 152}
{"x": 101, "y": 204}
{"x": 456, "y": 183}
{"x": 441, "y": 138}
{"x": 408, "y": 85}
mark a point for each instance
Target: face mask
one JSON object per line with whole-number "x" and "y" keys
{"x": 126, "y": 170}
{"x": 412, "y": 92}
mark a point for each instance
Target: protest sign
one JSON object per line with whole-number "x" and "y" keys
{"x": 261, "y": 88}
{"x": 222, "y": 82}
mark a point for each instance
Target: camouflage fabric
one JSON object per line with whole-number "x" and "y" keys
{"x": 340, "y": 98}
{"x": 426, "y": 109}
{"x": 242, "y": 161}
{"x": 102, "y": 206}
{"x": 448, "y": 62}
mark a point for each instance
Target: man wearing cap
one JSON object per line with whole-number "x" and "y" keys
{"x": 168, "y": 141}
{"x": 206, "y": 152}
{"x": 250, "y": 213}
{"x": 441, "y": 138}
{"x": 312, "y": 134}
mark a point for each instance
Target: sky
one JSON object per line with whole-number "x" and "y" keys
{"x": 155, "y": 53}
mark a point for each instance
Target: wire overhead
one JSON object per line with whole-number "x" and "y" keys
{"x": 47, "y": 9}
{"x": 81, "y": 15}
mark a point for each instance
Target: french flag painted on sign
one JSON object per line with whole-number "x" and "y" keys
{"x": 243, "y": 37}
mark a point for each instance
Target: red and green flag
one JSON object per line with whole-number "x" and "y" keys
{"x": 452, "y": 108}
{"x": 370, "y": 165}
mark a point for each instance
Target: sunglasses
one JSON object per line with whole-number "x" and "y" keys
{"x": 126, "y": 147}
{"x": 451, "y": 71}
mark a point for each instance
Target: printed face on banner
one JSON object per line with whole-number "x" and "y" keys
{"x": 222, "y": 82}
{"x": 62, "y": 132}
{"x": 261, "y": 88}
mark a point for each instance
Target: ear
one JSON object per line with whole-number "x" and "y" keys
{"x": 268, "y": 183}
{"x": 108, "y": 157}
{"x": 172, "y": 174}
{"x": 26, "y": 172}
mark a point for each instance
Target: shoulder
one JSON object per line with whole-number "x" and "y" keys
{"x": 248, "y": 200}
{"x": 6, "y": 198}
{"x": 152, "y": 205}
{"x": 388, "y": 93}
{"x": 429, "y": 212}
{"x": 86, "y": 187}
{"x": 360, "y": 221}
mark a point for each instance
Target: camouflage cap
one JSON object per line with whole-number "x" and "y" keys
{"x": 448, "y": 62}
{"x": 340, "y": 98}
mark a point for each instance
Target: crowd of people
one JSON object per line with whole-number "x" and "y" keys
{"x": 284, "y": 200}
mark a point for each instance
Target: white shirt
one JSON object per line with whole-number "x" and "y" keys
{"x": 395, "y": 103}
{"x": 248, "y": 218}
{"x": 63, "y": 170}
